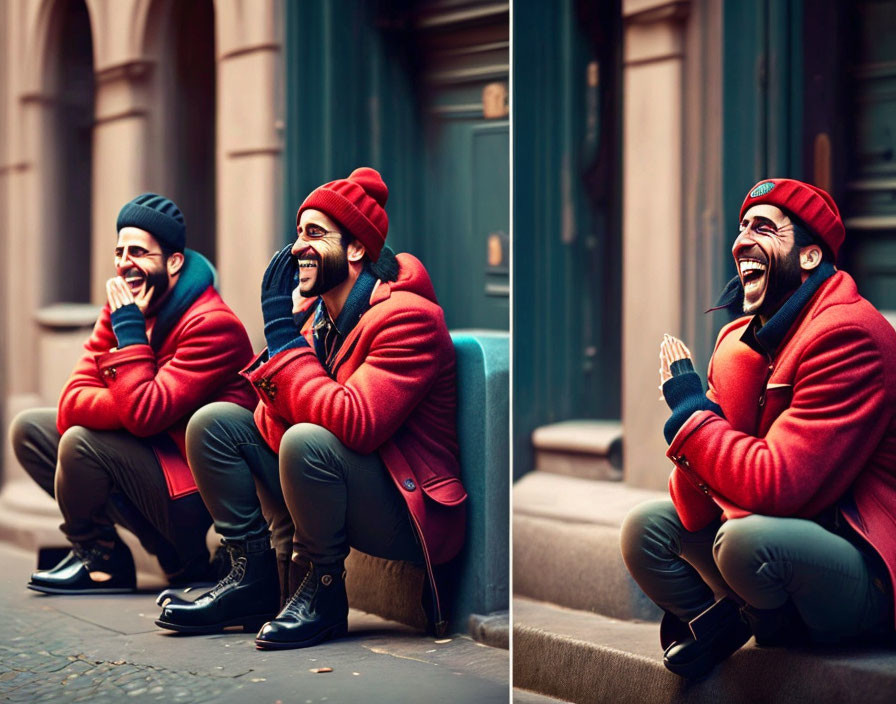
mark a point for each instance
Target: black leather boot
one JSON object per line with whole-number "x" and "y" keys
{"x": 776, "y": 627}
{"x": 248, "y": 596}
{"x": 100, "y": 567}
{"x": 717, "y": 633}
{"x": 316, "y": 612}
{"x": 192, "y": 583}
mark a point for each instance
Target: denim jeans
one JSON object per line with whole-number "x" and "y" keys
{"x": 318, "y": 497}
{"x": 839, "y": 587}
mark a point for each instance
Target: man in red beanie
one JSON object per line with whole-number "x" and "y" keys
{"x": 353, "y": 443}
{"x": 113, "y": 451}
{"x": 782, "y": 519}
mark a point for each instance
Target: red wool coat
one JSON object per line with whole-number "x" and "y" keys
{"x": 148, "y": 394}
{"x": 393, "y": 393}
{"x": 802, "y": 429}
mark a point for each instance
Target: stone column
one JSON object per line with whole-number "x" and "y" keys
{"x": 652, "y": 223}
{"x": 248, "y": 46}
{"x": 121, "y": 138}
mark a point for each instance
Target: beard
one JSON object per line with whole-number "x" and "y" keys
{"x": 784, "y": 277}
{"x": 332, "y": 267}
{"x": 155, "y": 282}
{"x": 158, "y": 280}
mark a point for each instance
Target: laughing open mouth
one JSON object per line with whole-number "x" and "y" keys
{"x": 135, "y": 280}
{"x": 752, "y": 273}
{"x": 308, "y": 260}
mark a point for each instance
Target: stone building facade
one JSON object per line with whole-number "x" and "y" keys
{"x": 101, "y": 100}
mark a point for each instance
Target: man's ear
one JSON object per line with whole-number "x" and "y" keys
{"x": 355, "y": 251}
{"x": 810, "y": 257}
{"x": 175, "y": 263}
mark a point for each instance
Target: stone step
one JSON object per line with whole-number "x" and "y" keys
{"x": 566, "y": 544}
{"x": 588, "y": 658}
{"x": 525, "y": 696}
{"x": 589, "y": 449}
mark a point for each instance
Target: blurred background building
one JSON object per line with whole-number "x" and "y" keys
{"x": 236, "y": 109}
{"x": 639, "y": 126}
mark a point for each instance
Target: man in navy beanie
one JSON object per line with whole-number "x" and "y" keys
{"x": 113, "y": 451}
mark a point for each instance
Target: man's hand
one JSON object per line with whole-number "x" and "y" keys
{"x": 128, "y": 322}
{"x": 118, "y": 293}
{"x": 680, "y": 385}
{"x": 277, "y": 286}
{"x": 672, "y": 350}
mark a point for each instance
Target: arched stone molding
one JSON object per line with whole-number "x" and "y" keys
{"x": 250, "y": 144}
{"x": 45, "y": 219}
{"x": 43, "y": 188}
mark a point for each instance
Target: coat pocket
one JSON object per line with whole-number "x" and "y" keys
{"x": 777, "y": 400}
{"x": 447, "y": 491}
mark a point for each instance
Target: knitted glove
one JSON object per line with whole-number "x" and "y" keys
{"x": 129, "y": 326}
{"x": 280, "y": 330}
{"x": 684, "y": 394}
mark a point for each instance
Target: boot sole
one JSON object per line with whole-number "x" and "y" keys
{"x": 336, "y": 631}
{"x": 92, "y": 590}
{"x": 248, "y": 623}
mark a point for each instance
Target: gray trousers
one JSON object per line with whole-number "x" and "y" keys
{"x": 103, "y": 477}
{"x": 318, "y": 498}
{"x": 839, "y": 590}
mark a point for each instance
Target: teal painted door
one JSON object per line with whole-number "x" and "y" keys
{"x": 418, "y": 91}
{"x": 467, "y": 153}
{"x": 870, "y": 209}
{"x": 566, "y": 221}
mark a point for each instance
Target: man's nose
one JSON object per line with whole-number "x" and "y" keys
{"x": 742, "y": 241}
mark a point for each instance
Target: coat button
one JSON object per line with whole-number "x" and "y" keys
{"x": 409, "y": 484}
{"x": 111, "y": 372}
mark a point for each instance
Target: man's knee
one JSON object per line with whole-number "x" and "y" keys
{"x": 305, "y": 449}
{"x": 28, "y": 425}
{"x": 644, "y": 523}
{"x": 742, "y": 543}
{"x": 210, "y": 424}
{"x": 73, "y": 444}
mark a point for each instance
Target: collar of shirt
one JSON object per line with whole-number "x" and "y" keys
{"x": 329, "y": 334}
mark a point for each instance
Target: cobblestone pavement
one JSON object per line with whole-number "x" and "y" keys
{"x": 107, "y": 649}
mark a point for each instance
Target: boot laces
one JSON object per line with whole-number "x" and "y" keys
{"x": 302, "y": 595}
{"x": 236, "y": 574}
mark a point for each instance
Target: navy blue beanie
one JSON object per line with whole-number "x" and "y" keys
{"x": 158, "y": 215}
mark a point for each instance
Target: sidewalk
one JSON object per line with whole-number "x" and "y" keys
{"x": 107, "y": 649}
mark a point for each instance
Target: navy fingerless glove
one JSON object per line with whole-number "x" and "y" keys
{"x": 684, "y": 394}
{"x": 129, "y": 326}
{"x": 280, "y": 331}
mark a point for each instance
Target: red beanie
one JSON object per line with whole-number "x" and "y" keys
{"x": 357, "y": 203}
{"x": 809, "y": 203}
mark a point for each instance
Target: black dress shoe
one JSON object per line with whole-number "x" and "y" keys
{"x": 97, "y": 568}
{"x": 248, "y": 596}
{"x": 317, "y": 612}
{"x": 717, "y": 633}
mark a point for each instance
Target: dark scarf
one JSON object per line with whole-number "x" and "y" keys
{"x": 766, "y": 339}
{"x": 328, "y": 334}
{"x": 196, "y": 275}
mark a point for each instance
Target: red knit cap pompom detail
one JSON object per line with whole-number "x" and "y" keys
{"x": 358, "y": 204}
{"x": 811, "y": 204}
